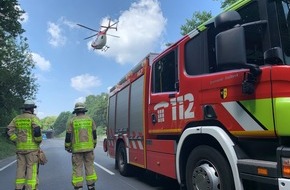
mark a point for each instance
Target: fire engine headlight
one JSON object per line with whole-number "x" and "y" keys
{"x": 286, "y": 167}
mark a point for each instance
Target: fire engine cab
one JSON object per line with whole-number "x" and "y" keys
{"x": 212, "y": 110}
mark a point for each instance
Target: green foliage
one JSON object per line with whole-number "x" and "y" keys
{"x": 9, "y": 19}
{"x": 16, "y": 79}
{"x": 226, "y": 3}
{"x": 101, "y": 131}
{"x": 7, "y": 148}
{"x": 47, "y": 122}
{"x": 61, "y": 122}
{"x": 200, "y": 17}
{"x": 97, "y": 108}
{"x": 197, "y": 19}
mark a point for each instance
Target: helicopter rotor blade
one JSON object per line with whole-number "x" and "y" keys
{"x": 114, "y": 23}
{"x": 113, "y": 35}
{"x": 87, "y": 28}
{"x": 90, "y": 36}
{"x": 110, "y": 26}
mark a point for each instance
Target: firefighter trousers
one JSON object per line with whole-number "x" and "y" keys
{"x": 26, "y": 173}
{"x": 86, "y": 160}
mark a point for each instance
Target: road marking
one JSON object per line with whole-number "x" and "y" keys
{"x": 105, "y": 169}
{"x": 1, "y": 169}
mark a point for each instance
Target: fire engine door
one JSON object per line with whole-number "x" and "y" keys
{"x": 162, "y": 102}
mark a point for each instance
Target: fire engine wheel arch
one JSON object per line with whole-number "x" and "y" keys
{"x": 122, "y": 163}
{"x": 207, "y": 168}
{"x": 222, "y": 143}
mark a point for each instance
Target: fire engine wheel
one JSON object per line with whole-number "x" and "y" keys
{"x": 123, "y": 166}
{"x": 206, "y": 168}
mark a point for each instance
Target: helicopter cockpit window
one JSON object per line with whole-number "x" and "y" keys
{"x": 164, "y": 74}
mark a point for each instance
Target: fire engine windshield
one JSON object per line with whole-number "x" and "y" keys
{"x": 283, "y": 8}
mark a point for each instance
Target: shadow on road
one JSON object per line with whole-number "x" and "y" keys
{"x": 156, "y": 181}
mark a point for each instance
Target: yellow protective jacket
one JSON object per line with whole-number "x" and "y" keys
{"x": 21, "y": 131}
{"x": 81, "y": 129}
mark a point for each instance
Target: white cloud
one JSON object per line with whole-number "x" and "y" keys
{"x": 41, "y": 115}
{"x": 68, "y": 23}
{"x": 57, "y": 37}
{"x": 80, "y": 99}
{"x": 24, "y": 18}
{"x": 41, "y": 62}
{"x": 85, "y": 82}
{"x": 140, "y": 29}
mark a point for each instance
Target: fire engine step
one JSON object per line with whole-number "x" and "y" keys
{"x": 258, "y": 170}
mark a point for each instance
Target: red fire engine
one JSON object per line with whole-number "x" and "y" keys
{"x": 211, "y": 110}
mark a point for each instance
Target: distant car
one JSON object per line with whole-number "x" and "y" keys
{"x": 44, "y": 136}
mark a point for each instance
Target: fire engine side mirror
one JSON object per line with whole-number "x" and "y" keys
{"x": 227, "y": 20}
{"x": 274, "y": 56}
{"x": 230, "y": 42}
{"x": 231, "y": 48}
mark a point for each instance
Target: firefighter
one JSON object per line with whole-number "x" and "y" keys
{"x": 80, "y": 140}
{"x": 25, "y": 131}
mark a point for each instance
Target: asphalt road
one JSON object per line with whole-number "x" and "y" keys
{"x": 56, "y": 174}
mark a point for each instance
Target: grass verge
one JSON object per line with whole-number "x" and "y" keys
{"x": 7, "y": 148}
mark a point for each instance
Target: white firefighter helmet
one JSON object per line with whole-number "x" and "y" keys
{"x": 29, "y": 104}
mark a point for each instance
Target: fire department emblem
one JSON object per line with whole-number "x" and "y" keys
{"x": 224, "y": 93}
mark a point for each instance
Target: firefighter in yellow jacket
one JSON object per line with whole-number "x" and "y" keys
{"x": 81, "y": 139}
{"x": 25, "y": 131}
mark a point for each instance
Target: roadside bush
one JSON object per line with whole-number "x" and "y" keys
{"x": 7, "y": 148}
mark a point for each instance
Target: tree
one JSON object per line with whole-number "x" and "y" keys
{"x": 227, "y": 3}
{"x": 47, "y": 122}
{"x": 17, "y": 82}
{"x": 61, "y": 122}
{"x": 200, "y": 17}
{"x": 97, "y": 109}
{"x": 10, "y": 14}
{"x": 197, "y": 19}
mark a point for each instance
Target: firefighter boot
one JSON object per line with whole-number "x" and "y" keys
{"x": 91, "y": 187}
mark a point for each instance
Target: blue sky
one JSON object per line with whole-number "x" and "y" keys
{"x": 68, "y": 70}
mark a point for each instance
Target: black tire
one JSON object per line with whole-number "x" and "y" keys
{"x": 206, "y": 168}
{"x": 123, "y": 166}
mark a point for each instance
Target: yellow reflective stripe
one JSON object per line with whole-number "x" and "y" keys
{"x": 20, "y": 181}
{"x": 76, "y": 180}
{"x": 32, "y": 182}
{"x": 93, "y": 177}
{"x": 82, "y": 123}
{"x": 67, "y": 144}
{"x": 36, "y": 121}
{"x": 38, "y": 139}
{"x": 238, "y": 5}
{"x": 76, "y": 135}
{"x": 83, "y": 146}
{"x": 13, "y": 137}
{"x": 27, "y": 146}
{"x": 23, "y": 122}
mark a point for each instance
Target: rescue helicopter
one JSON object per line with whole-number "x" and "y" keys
{"x": 101, "y": 36}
